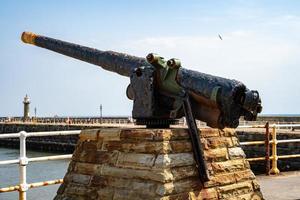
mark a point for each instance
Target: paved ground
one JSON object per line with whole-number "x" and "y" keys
{"x": 286, "y": 186}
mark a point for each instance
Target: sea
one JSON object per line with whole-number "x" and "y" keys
{"x": 36, "y": 172}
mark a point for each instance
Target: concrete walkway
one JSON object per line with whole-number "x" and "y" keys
{"x": 286, "y": 186}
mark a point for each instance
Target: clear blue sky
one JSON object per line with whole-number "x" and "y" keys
{"x": 260, "y": 47}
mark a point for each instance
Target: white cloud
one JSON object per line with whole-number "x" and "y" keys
{"x": 256, "y": 59}
{"x": 238, "y": 50}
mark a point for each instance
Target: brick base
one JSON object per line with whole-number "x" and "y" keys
{"x": 135, "y": 164}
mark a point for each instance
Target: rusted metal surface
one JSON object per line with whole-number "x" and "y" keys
{"x": 45, "y": 183}
{"x": 219, "y": 93}
{"x": 274, "y": 169}
{"x": 289, "y": 156}
{"x": 256, "y": 159}
{"x": 195, "y": 140}
{"x": 120, "y": 63}
{"x": 267, "y": 146}
{"x": 9, "y": 189}
{"x": 31, "y": 185}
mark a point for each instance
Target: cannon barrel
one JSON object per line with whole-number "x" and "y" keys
{"x": 120, "y": 63}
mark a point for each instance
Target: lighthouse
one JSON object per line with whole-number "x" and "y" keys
{"x": 26, "y": 103}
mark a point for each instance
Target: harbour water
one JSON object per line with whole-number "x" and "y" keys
{"x": 36, "y": 172}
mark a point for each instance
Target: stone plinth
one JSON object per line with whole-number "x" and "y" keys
{"x": 119, "y": 163}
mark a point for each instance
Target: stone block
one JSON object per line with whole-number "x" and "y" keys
{"x": 89, "y": 135}
{"x": 228, "y": 166}
{"x": 236, "y": 152}
{"x": 250, "y": 196}
{"x": 136, "y": 160}
{"x": 137, "y": 134}
{"x": 204, "y": 194}
{"x": 80, "y": 190}
{"x": 106, "y": 193}
{"x": 98, "y": 157}
{"x": 235, "y": 190}
{"x": 89, "y": 146}
{"x": 184, "y": 172}
{"x": 219, "y": 142}
{"x": 78, "y": 178}
{"x": 174, "y": 134}
{"x": 180, "y": 146}
{"x": 209, "y": 132}
{"x": 244, "y": 175}
{"x": 155, "y": 175}
{"x": 235, "y": 141}
{"x": 184, "y": 195}
{"x": 221, "y": 179}
{"x": 124, "y": 194}
{"x": 139, "y": 147}
{"x": 85, "y": 168}
{"x": 110, "y": 134}
{"x": 99, "y": 181}
{"x": 164, "y": 135}
{"x": 228, "y": 132}
{"x": 219, "y": 154}
{"x": 172, "y": 160}
{"x": 178, "y": 186}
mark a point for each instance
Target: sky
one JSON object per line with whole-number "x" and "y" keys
{"x": 260, "y": 47}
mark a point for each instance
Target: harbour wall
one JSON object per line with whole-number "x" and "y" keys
{"x": 64, "y": 143}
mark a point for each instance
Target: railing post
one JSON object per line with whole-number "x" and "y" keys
{"x": 274, "y": 169}
{"x": 267, "y": 148}
{"x": 22, "y": 166}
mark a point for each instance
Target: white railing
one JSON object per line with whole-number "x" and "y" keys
{"x": 24, "y": 160}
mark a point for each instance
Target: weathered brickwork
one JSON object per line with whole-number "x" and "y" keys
{"x": 116, "y": 164}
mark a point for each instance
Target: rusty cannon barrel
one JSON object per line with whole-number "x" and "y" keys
{"x": 112, "y": 61}
{"x": 218, "y": 101}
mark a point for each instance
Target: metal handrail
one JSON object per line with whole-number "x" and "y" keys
{"x": 23, "y": 161}
{"x": 274, "y": 158}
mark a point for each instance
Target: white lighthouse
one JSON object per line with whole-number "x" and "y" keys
{"x": 26, "y": 103}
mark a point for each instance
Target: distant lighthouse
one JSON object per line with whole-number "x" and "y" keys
{"x": 26, "y": 108}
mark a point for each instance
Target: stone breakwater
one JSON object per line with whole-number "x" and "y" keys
{"x": 50, "y": 143}
{"x": 135, "y": 164}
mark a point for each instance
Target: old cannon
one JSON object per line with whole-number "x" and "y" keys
{"x": 162, "y": 91}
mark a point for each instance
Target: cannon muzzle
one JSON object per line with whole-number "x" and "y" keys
{"x": 28, "y": 37}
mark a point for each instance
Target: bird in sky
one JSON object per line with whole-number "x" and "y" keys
{"x": 220, "y": 37}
